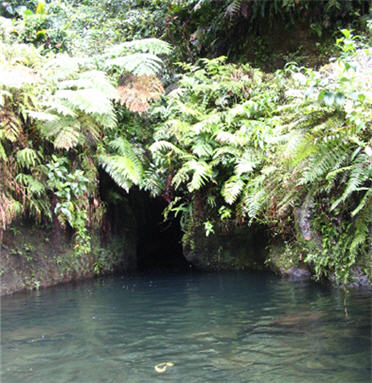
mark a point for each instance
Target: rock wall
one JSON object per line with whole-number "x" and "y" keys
{"x": 31, "y": 259}
{"x": 231, "y": 247}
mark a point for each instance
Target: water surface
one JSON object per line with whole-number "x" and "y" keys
{"x": 234, "y": 327}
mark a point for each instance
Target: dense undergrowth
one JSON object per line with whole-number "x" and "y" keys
{"x": 228, "y": 144}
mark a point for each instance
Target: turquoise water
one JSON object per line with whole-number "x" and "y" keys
{"x": 235, "y": 327}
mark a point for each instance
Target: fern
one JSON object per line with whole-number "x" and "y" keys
{"x": 362, "y": 225}
{"x": 232, "y": 189}
{"x": 125, "y": 168}
{"x": 136, "y": 92}
{"x": 199, "y": 171}
{"x": 246, "y": 164}
{"x": 202, "y": 148}
{"x": 122, "y": 170}
{"x": 27, "y": 158}
{"x": 165, "y": 145}
{"x": 233, "y": 9}
{"x": 32, "y": 185}
{"x": 360, "y": 172}
{"x": 10, "y": 125}
{"x": 137, "y": 63}
{"x": 326, "y": 159}
{"x": 87, "y": 100}
{"x": 64, "y": 132}
{"x": 150, "y": 45}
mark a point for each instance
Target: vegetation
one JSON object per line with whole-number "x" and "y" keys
{"x": 228, "y": 144}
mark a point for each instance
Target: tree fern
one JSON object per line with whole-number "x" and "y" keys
{"x": 87, "y": 100}
{"x": 137, "y": 63}
{"x": 10, "y": 125}
{"x": 136, "y": 92}
{"x": 64, "y": 132}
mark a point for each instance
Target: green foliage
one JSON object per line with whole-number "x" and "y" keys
{"x": 59, "y": 122}
{"x": 260, "y": 144}
{"x": 211, "y": 27}
{"x": 228, "y": 144}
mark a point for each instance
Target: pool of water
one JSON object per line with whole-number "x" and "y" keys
{"x": 233, "y": 327}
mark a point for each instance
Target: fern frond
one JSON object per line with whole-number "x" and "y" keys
{"x": 365, "y": 201}
{"x": 137, "y": 63}
{"x": 150, "y": 45}
{"x": 64, "y": 132}
{"x": 87, "y": 100}
{"x": 9, "y": 209}
{"x": 233, "y": 151}
{"x": 124, "y": 148}
{"x": 232, "y": 139}
{"x": 202, "y": 173}
{"x": 91, "y": 80}
{"x": 199, "y": 171}
{"x": 136, "y": 92}
{"x": 233, "y": 9}
{"x": 16, "y": 77}
{"x": 362, "y": 226}
{"x": 32, "y": 185}
{"x": 41, "y": 116}
{"x": 361, "y": 171}
{"x": 27, "y": 158}
{"x": 202, "y": 148}
{"x": 326, "y": 159}
{"x": 232, "y": 189}
{"x": 246, "y": 163}
{"x": 59, "y": 106}
{"x": 122, "y": 169}
{"x": 10, "y": 125}
{"x": 155, "y": 180}
{"x": 254, "y": 197}
{"x": 165, "y": 145}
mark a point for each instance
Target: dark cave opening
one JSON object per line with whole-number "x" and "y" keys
{"x": 136, "y": 214}
{"x": 159, "y": 242}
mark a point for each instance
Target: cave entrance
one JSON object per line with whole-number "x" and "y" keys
{"x": 138, "y": 217}
{"x": 159, "y": 243}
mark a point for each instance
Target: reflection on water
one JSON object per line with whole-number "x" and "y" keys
{"x": 235, "y": 327}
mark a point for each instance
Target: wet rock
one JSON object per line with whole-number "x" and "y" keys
{"x": 303, "y": 217}
{"x": 297, "y": 274}
{"x": 231, "y": 247}
{"x": 360, "y": 280}
{"x": 29, "y": 258}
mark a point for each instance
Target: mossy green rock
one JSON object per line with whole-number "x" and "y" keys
{"x": 31, "y": 259}
{"x": 231, "y": 247}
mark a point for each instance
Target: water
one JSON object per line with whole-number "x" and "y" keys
{"x": 236, "y": 327}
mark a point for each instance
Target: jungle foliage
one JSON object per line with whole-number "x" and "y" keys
{"x": 59, "y": 123}
{"x": 228, "y": 144}
{"x": 244, "y": 146}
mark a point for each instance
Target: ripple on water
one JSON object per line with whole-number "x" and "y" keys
{"x": 237, "y": 327}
